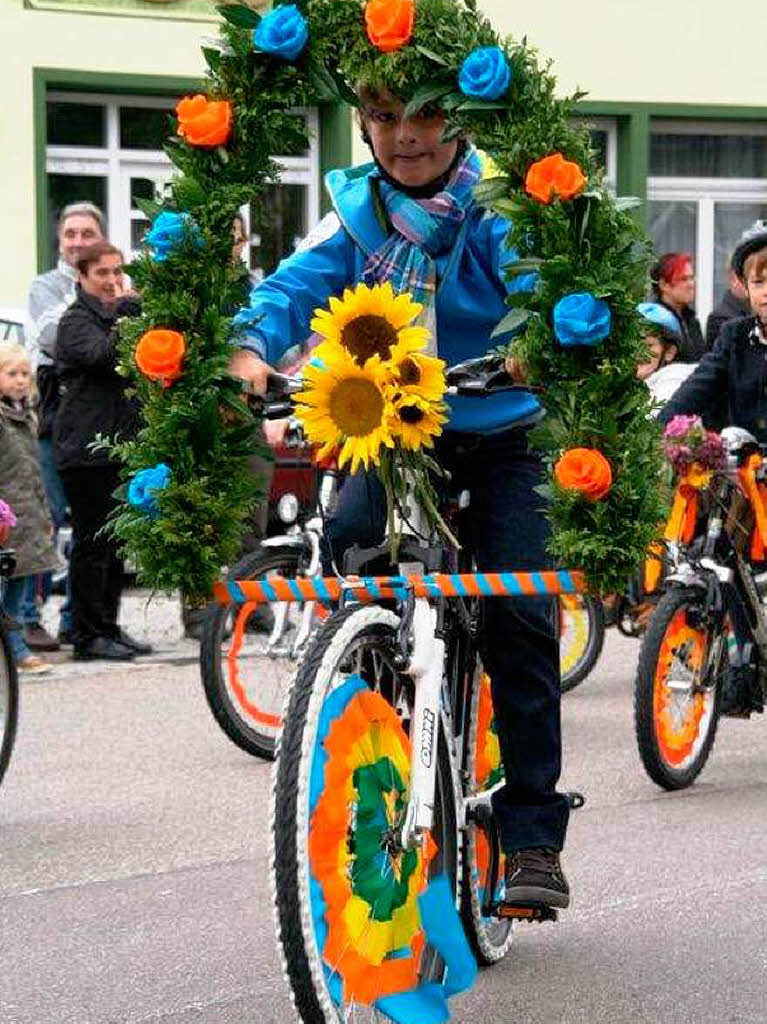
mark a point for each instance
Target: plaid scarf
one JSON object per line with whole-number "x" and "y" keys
{"x": 423, "y": 230}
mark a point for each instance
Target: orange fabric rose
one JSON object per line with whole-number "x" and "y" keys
{"x": 554, "y": 176}
{"x": 585, "y": 470}
{"x": 389, "y": 23}
{"x": 160, "y": 355}
{"x": 203, "y": 122}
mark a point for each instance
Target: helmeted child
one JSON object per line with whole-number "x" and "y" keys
{"x": 409, "y": 218}
{"x": 22, "y": 487}
{"x": 662, "y": 372}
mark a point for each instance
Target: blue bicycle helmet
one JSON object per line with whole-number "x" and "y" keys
{"x": 660, "y": 316}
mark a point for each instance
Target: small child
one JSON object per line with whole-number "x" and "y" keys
{"x": 662, "y": 372}
{"x": 22, "y": 487}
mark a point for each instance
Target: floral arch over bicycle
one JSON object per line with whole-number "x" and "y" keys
{"x": 576, "y": 332}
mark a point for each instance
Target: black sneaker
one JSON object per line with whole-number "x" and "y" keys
{"x": 535, "y": 876}
{"x": 740, "y": 693}
{"x": 103, "y": 648}
{"x": 139, "y": 646}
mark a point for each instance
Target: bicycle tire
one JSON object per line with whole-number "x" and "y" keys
{"x": 489, "y": 938}
{"x": 319, "y": 988}
{"x": 675, "y": 736}
{"x": 246, "y": 703}
{"x": 577, "y": 665}
{"x": 9, "y": 701}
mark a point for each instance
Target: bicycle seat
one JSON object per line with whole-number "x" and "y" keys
{"x": 486, "y": 375}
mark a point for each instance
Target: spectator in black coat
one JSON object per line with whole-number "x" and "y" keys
{"x": 734, "y": 305}
{"x": 673, "y": 285}
{"x": 93, "y": 402}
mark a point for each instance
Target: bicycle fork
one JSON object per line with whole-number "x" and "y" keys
{"x": 425, "y": 666}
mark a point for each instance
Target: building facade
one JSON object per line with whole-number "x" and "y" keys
{"x": 677, "y": 104}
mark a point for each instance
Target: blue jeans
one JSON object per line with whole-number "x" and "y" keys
{"x": 13, "y": 594}
{"x": 57, "y": 501}
{"x": 519, "y": 640}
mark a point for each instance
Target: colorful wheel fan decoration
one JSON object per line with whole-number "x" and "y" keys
{"x": 488, "y": 771}
{"x": 372, "y": 904}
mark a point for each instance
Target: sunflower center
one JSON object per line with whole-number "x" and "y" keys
{"x": 369, "y": 335}
{"x": 409, "y": 371}
{"x": 356, "y": 406}
{"x": 411, "y": 414}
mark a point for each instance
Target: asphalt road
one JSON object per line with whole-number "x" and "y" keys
{"x": 133, "y": 884}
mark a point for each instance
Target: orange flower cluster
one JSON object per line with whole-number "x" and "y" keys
{"x": 160, "y": 355}
{"x": 203, "y": 122}
{"x": 554, "y": 176}
{"x": 585, "y": 470}
{"x": 389, "y": 23}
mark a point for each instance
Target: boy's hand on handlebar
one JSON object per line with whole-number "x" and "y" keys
{"x": 275, "y": 431}
{"x": 515, "y": 369}
{"x": 248, "y": 367}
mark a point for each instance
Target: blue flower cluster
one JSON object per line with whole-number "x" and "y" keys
{"x": 581, "y": 319}
{"x": 282, "y": 32}
{"x": 144, "y": 485}
{"x": 168, "y": 232}
{"x": 485, "y": 74}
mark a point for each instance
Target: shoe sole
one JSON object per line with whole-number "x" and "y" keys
{"x": 536, "y": 894}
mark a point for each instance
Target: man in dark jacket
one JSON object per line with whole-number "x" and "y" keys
{"x": 734, "y": 305}
{"x": 93, "y": 401}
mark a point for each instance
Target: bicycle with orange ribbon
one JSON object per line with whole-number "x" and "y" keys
{"x": 705, "y": 651}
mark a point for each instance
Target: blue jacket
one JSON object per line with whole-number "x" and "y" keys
{"x": 470, "y": 298}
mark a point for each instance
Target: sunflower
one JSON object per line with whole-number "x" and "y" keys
{"x": 370, "y": 322}
{"x": 416, "y": 420}
{"x": 418, "y": 374}
{"x": 344, "y": 408}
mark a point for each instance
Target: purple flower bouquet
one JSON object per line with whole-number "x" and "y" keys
{"x": 686, "y": 442}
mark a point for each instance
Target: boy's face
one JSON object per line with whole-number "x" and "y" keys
{"x": 104, "y": 280}
{"x": 659, "y": 356}
{"x": 756, "y": 283}
{"x": 409, "y": 149}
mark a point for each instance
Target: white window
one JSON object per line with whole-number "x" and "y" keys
{"x": 708, "y": 182}
{"x": 108, "y": 150}
{"x": 604, "y": 139}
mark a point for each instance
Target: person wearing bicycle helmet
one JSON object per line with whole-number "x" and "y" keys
{"x": 662, "y": 371}
{"x": 409, "y": 217}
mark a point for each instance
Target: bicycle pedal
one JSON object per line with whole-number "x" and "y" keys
{"x": 532, "y": 912}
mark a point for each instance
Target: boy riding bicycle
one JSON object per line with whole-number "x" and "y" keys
{"x": 409, "y": 218}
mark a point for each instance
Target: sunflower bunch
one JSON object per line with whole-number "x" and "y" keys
{"x": 373, "y": 396}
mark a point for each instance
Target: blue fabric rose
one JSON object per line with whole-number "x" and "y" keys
{"x": 168, "y": 232}
{"x": 144, "y": 485}
{"x": 485, "y": 74}
{"x": 580, "y": 319}
{"x": 283, "y": 32}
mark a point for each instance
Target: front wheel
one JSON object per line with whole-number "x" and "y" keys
{"x": 678, "y": 688}
{"x": 345, "y": 891}
{"x": 9, "y": 700}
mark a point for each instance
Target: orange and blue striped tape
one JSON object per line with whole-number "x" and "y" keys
{"x": 374, "y": 588}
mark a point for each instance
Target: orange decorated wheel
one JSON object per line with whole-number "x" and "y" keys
{"x": 682, "y": 667}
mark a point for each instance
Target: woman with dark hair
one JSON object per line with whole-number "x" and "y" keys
{"x": 673, "y": 285}
{"x": 93, "y": 403}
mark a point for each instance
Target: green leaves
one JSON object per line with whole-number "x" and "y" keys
{"x": 239, "y": 15}
{"x": 511, "y": 322}
{"x": 427, "y": 94}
